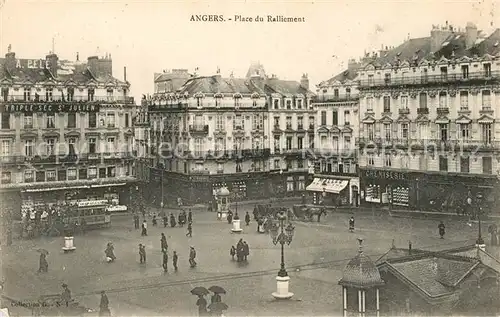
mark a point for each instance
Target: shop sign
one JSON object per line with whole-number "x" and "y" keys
{"x": 92, "y": 203}
{"x": 48, "y": 108}
{"x": 390, "y": 175}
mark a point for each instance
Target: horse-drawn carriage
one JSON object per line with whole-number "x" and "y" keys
{"x": 308, "y": 212}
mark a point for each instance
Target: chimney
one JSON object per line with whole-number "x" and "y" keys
{"x": 383, "y": 51}
{"x": 471, "y": 34}
{"x": 51, "y": 63}
{"x": 10, "y": 60}
{"x": 438, "y": 36}
{"x": 92, "y": 64}
{"x": 106, "y": 65}
{"x": 125, "y": 73}
{"x": 304, "y": 81}
{"x": 77, "y": 56}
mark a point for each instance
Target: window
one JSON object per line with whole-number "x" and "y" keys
{"x": 369, "y": 104}
{"x": 387, "y": 103}
{"x": 423, "y": 129}
{"x": 464, "y": 164}
{"x": 311, "y": 141}
{"x": 92, "y": 120}
{"x": 71, "y": 146}
{"x": 289, "y": 142}
{"x": 443, "y": 163}
{"x": 370, "y": 160}
{"x": 102, "y": 172}
{"x": 239, "y": 169}
{"x": 465, "y": 71}
{"x": 486, "y": 99}
{"x": 218, "y": 100}
{"x": 299, "y": 103}
{"x": 288, "y": 123}
{"x": 323, "y": 141}
{"x": 220, "y": 145}
{"x": 71, "y": 93}
{"x": 347, "y": 142}
{"x": 5, "y": 120}
{"x": 237, "y": 101}
{"x": 198, "y": 121}
{"x": 276, "y": 123}
{"x": 443, "y": 131}
{"x": 443, "y": 100}
{"x": 276, "y": 103}
{"x": 29, "y": 176}
{"x": 289, "y": 104}
{"x": 300, "y": 143}
{"x": 300, "y": 123}
{"x": 486, "y": 133}
{"x": 387, "y": 78}
{"x": 5, "y": 148}
{"x": 405, "y": 161}
{"x": 92, "y": 145}
{"x": 6, "y": 178}
{"x": 370, "y": 80}
{"x": 336, "y": 93}
{"x": 348, "y": 92}
{"x": 487, "y": 166}
{"x": 51, "y": 175}
{"x": 27, "y": 94}
{"x": 423, "y": 100}
{"x": 335, "y": 117}
{"x": 464, "y": 130}
{"x": 335, "y": 143}
{"x": 387, "y": 131}
{"x": 126, "y": 120}
{"x": 48, "y": 94}
{"x": 237, "y": 144}
{"x": 464, "y": 100}
{"x": 92, "y": 172}
{"x": 347, "y": 117}
{"x": 82, "y": 173}
{"x": 71, "y": 120}
{"x": 323, "y": 117}
{"x": 370, "y": 130}
{"x": 300, "y": 163}
{"x": 311, "y": 123}
{"x": 405, "y": 131}
{"x": 71, "y": 173}
{"x": 404, "y": 102}
{"x": 29, "y": 148}
{"x": 111, "y": 171}
{"x": 487, "y": 70}
{"x": 219, "y": 123}
{"x": 289, "y": 164}
{"x": 111, "y": 120}
{"x": 238, "y": 123}
{"x": 90, "y": 94}
{"x": 444, "y": 73}
{"x": 51, "y": 120}
{"x": 50, "y": 144}
{"x": 256, "y": 143}
{"x": 277, "y": 143}
{"x": 258, "y": 122}
{"x": 110, "y": 145}
{"x": 220, "y": 168}
{"x": 388, "y": 161}
{"x": 28, "y": 121}
{"x": 276, "y": 164}
{"x": 199, "y": 101}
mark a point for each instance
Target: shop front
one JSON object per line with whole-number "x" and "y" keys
{"x": 331, "y": 191}
{"x": 384, "y": 187}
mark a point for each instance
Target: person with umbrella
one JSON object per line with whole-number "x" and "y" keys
{"x": 104, "y": 305}
{"x": 217, "y": 290}
{"x": 110, "y": 252}
{"x": 441, "y": 229}
{"x": 217, "y": 308}
{"x": 201, "y": 302}
{"x": 192, "y": 257}
{"x": 44, "y": 265}
{"x": 247, "y": 219}
{"x": 164, "y": 244}
{"x": 66, "y": 295}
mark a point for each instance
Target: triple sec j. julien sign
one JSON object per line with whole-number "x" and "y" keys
{"x": 48, "y": 108}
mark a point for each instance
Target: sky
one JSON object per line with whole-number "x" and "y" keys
{"x": 149, "y": 36}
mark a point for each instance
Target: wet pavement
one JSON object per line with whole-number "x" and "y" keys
{"x": 315, "y": 260}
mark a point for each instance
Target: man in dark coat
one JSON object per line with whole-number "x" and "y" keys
{"x": 190, "y": 216}
{"x": 165, "y": 221}
{"x": 246, "y": 251}
{"x": 104, "y": 305}
{"x": 351, "y": 224}
{"x": 229, "y": 217}
{"x": 136, "y": 221}
{"x": 66, "y": 295}
{"x": 189, "y": 230}
{"x": 142, "y": 253}
{"x": 175, "y": 258}
{"x": 202, "y": 306}
{"x": 247, "y": 219}
{"x": 44, "y": 265}
{"x": 441, "y": 228}
{"x": 164, "y": 244}
{"x": 144, "y": 228}
{"x": 165, "y": 261}
{"x": 192, "y": 257}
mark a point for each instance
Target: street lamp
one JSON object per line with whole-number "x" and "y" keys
{"x": 281, "y": 234}
{"x": 479, "y": 241}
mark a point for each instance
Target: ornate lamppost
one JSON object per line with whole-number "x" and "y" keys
{"x": 282, "y": 235}
{"x": 479, "y": 242}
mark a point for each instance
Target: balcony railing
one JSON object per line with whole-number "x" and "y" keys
{"x": 443, "y": 110}
{"x": 422, "y": 110}
{"x": 430, "y": 79}
{"x": 404, "y": 111}
{"x": 68, "y": 158}
{"x": 226, "y": 154}
{"x": 428, "y": 142}
{"x": 67, "y": 98}
{"x": 198, "y": 128}
{"x": 332, "y": 98}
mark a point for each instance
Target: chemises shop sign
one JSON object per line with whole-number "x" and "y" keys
{"x": 390, "y": 175}
{"x": 48, "y": 108}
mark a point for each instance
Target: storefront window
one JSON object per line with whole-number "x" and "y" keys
{"x": 301, "y": 183}
{"x": 289, "y": 184}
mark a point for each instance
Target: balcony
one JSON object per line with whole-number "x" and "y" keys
{"x": 404, "y": 111}
{"x": 59, "y": 99}
{"x": 422, "y": 110}
{"x": 198, "y": 129}
{"x": 468, "y": 145}
{"x": 486, "y": 109}
{"x": 334, "y": 98}
{"x": 300, "y": 127}
{"x": 443, "y": 111}
{"x": 311, "y": 128}
{"x": 430, "y": 79}
{"x": 276, "y": 128}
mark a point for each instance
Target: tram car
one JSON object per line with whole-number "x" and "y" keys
{"x": 91, "y": 213}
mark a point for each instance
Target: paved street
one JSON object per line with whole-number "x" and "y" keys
{"x": 315, "y": 260}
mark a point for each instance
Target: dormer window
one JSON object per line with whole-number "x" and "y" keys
{"x": 289, "y": 104}
{"x": 218, "y": 100}
{"x": 387, "y": 78}
{"x": 109, "y": 94}
{"x": 48, "y": 94}
{"x": 5, "y": 94}
{"x": 90, "y": 94}
{"x": 348, "y": 92}
{"x": 199, "y": 101}
{"x": 27, "y": 94}
{"x": 71, "y": 93}
{"x": 336, "y": 93}
{"x": 299, "y": 104}
{"x": 487, "y": 70}
{"x": 276, "y": 103}
{"x": 237, "y": 100}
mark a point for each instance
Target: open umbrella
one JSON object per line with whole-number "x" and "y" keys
{"x": 199, "y": 291}
{"x": 217, "y": 289}
{"x": 43, "y": 251}
{"x": 218, "y": 306}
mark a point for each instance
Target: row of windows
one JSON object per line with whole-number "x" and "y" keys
{"x": 31, "y": 176}
{"x": 290, "y": 144}
{"x": 443, "y": 101}
{"x": 49, "y": 95}
{"x": 389, "y": 160}
{"x": 335, "y": 117}
{"x": 289, "y": 104}
{"x": 218, "y": 102}
{"x": 108, "y": 120}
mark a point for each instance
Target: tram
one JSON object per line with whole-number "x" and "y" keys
{"x": 91, "y": 213}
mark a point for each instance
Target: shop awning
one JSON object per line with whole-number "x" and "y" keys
{"x": 316, "y": 185}
{"x": 335, "y": 186}
{"x": 108, "y": 185}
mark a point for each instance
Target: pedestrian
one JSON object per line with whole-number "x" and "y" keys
{"x": 229, "y": 217}
{"x": 172, "y": 220}
{"x": 44, "y": 265}
{"x": 142, "y": 253}
{"x": 202, "y": 306}
{"x": 179, "y": 218}
{"x": 321, "y": 212}
{"x": 66, "y": 295}
{"x": 164, "y": 244}
{"x": 136, "y": 221}
{"x": 216, "y": 298}
{"x": 104, "y": 305}
{"x": 232, "y": 252}
{"x": 110, "y": 253}
{"x": 441, "y": 228}
{"x": 175, "y": 258}
{"x": 192, "y": 257}
{"x": 144, "y": 228}
{"x": 190, "y": 216}
{"x": 189, "y": 230}
{"x": 155, "y": 222}
{"x": 165, "y": 221}
{"x": 351, "y": 224}
{"x": 247, "y": 219}
{"x": 165, "y": 261}
{"x": 246, "y": 251}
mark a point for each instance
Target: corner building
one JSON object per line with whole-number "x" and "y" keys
{"x": 429, "y": 136}
{"x": 66, "y": 130}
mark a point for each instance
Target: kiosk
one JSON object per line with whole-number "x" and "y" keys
{"x": 222, "y": 202}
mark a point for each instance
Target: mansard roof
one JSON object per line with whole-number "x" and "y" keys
{"x": 218, "y": 84}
